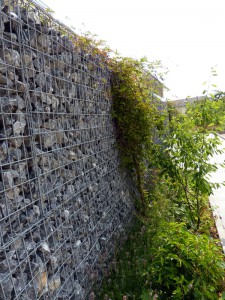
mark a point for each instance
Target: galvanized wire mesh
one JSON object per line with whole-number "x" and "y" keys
{"x": 62, "y": 195}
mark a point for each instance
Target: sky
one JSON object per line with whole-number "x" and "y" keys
{"x": 188, "y": 36}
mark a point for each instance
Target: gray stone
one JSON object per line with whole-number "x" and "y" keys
{"x": 31, "y": 245}
{"x": 17, "y": 244}
{"x": 13, "y": 15}
{"x": 15, "y": 154}
{"x": 12, "y": 76}
{"x": 6, "y": 286}
{"x": 46, "y": 137}
{"x": 29, "y": 17}
{"x": 19, "y": 126}
{"x": 62, "y": 295}
{"x": 6, "y": 206}
{"x": 54, "y": 262}
{"x": 66, "y": 213}
{"x": 12, "y": 37}
{"x": 2, "y": 66}
{"x": 27, "y": 58}
{"x": 7, "y": 177}
{"x": 66, "y": 272}
{"x": 78, "y": 243}
{"x": 2, "y": 4}
{"x": 79, "y": 291}
{"x": 20, "y": 282}
{"x": 29, "y": 37}
{"x": 16, "y": 141}
{"x": 13, "y": 193}
{"x": 54, "y": 283}
{"x": 39, "y": 63}
{"x": 46, "y": 99}
{"x": 44, "y": 81}
{"x": 45, "y": 248}
{"x": 33, "y": 15}
{"x": 66, "y": 42}
{"x": 41, "y": 281}
{"x": 40, "y": 79}
{"x": 3, "y": 79}
{"x": 29, "y": 294}
{"x": 55, "y": 102}
{"x": 9, "y": 263}
{"x": 76, "y": 77}
{"x": 36, "y": 210}
{"x": 44, "y": 41}
{"x": 3, "y": 150}
{"x": 2, "y": 25}
{"x": 21, "y": 87}
{"x": 61, "y": 137}
{"x": 21, "y": 12}
{"x": 66, "y": 57}
{"x": 11, "y": 57}
{"x": 17, "y": 101}
{"x": 36, "y": 94}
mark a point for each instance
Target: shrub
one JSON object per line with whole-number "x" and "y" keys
{"x": 185, "y": 265}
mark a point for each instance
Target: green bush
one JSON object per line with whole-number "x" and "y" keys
{"x": 185, "y": 265}
{"x": 139, "y": 116}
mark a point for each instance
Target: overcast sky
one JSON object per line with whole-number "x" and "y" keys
{"x": 188, "y": 36}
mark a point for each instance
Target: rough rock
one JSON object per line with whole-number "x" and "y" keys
{"x": 2, "y": 66}
{"x": 2, "y": 5}
{"x": 11, "y": 57}
{"x": 62, "y": 194}
{"x": 46, "y": 138}
{"x": 12, "y": 37}
{"x": 54, "y": 283}
{"x": 7, "y": 177}
{"x": 3, "y": 79}
{"x": 17, "y": 101}
{"x": 6, "y": 286}
{"x": 44, "y": 81}
{"x": 44, "y": 41}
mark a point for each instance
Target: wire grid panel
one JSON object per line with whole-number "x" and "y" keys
{"x": 62, "y": 195}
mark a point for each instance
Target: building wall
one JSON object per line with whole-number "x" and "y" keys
{"x": 180, "y": 104}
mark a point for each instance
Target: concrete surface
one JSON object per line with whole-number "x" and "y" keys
{"x": 217, "y": 200}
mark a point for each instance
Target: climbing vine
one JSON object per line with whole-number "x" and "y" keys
{"x": 137, "y": 115}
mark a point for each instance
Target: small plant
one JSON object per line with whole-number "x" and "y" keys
{"x": 185, "y": 265}
{"x": 185, "y": 158}
{"x": 214, "y": 109}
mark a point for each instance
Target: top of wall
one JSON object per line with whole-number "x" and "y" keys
{"x": 183, "y": 102}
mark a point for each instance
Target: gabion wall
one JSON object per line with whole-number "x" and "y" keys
{"x": 62, "y": 194}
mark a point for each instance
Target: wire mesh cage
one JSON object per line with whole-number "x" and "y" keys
{"x": 62, "y": 195}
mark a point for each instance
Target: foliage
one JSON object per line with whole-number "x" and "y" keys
{"x": 184, "y": 265}
{"x": 138, "y": 261}
{"x": 177, "y": 151}
{"x": 132, "y": 257}
{"x": 185, "y": 158}
{"x": 214, "y": 112}
{"x": 137, "y": 114}
{"x": 176, "y": 210}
